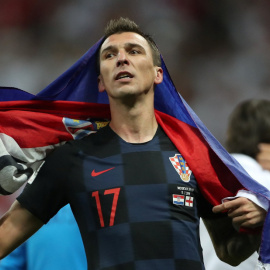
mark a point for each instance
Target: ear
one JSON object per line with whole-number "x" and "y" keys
{"x": 101, "y": 87}
{"x": 159, "y": 75}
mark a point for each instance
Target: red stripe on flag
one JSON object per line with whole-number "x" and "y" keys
{"x": 215, "y": 184}
{"x": 39, "y": 123}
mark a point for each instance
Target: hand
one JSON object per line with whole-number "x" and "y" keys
{"x": 243, "y": 212}
{"x": 263, "y": 157}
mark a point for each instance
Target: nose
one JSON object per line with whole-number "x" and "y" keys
{"x": 122, "y": 59}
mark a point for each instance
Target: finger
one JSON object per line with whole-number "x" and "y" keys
{"x": 239, "y": 220}
{"x": 224, "y": 207}
{"x": 249, "y": 223}
{"x": 251, "y": 219}
{"x": 219, "y": 208}
{"x": 233, "y": 205}
{"x": 241, "y": 210}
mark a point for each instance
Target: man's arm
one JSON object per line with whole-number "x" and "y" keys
{"x": 231, "y": 246}
{"x": 17, "y": 225}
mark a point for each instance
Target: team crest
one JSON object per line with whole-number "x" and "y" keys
{"x": 181, "y": 167}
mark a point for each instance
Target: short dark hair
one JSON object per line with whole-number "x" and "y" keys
{"x": 122, "y": 25}
{"x": 249, "y": 125}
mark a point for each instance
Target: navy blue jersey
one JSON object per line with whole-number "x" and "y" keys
{"x": 137, "y": 205}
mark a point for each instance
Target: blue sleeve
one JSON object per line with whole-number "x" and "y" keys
{"x": 16, "y": 260}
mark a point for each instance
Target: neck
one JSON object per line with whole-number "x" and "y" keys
{"x": 134, "y": 123}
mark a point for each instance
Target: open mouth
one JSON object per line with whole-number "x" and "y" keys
{"x": 123, "y": 75}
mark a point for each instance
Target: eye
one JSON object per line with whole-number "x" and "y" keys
{"x": 109, "y": 55}
{"x": 134, "y": 51}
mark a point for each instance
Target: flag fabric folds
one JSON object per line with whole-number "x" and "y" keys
{"x": 71, "y": 107}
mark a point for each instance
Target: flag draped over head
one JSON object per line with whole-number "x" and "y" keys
{"x": 71, "y": 107}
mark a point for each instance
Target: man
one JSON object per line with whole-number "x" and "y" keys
{"x": 134, "y": 207}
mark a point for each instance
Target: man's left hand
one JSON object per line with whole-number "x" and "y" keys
{"x": 243, "y": 212}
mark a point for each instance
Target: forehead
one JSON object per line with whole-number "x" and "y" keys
{"x": 120, "y": 39}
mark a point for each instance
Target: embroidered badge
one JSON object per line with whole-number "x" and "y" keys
{"x": 181, "y": 167}
{"x": 178, "y": 199}
{"x": 189, "y": 201}
{"x": 185, "y": 200}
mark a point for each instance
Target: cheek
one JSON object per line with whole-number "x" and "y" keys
{"x": 105, "y": 75}
{"x": 148, "y": 72}
{"x": 145, "y": 67}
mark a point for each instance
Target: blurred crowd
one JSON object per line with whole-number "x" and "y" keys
{"x": 217, "y": 52}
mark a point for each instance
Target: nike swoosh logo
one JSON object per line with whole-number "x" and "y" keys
{"x": 94, "y": 173}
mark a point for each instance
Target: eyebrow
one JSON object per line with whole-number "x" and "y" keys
{"x": 109, "y": 48}
{"x": 127, "y": 45}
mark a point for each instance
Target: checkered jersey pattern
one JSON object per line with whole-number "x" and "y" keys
{"x": 124, "y": 198}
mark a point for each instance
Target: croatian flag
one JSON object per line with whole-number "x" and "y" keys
{"x": 178, "y": 199}
{"x": 33, "y": 125}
